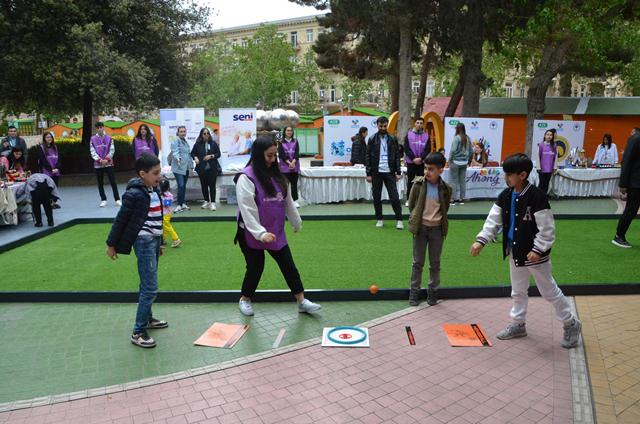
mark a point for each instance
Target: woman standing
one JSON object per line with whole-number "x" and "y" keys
{"x": 458, "y": 160}
{"x": 547, "y": 155}
{"x": 359, "y": 146}
{"x": 205, "y": 154}
{"x": 263, "y": 203}
{"x": 49, "y": 161}
{"x": 144, "y": 142}
{"x": 289, "y": 154}
{"x": 180, "y": 165}
{"x": 607, "y": 153}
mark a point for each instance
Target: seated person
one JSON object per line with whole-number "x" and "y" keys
{"x": 582, "y": 161}
{"x": 17, "y": 167}
{"x": 479, "y": 157}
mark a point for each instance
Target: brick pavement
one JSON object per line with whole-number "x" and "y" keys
{"x": 523, "y": 381}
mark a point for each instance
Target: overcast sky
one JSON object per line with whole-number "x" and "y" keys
{"x": 232, "y": 13}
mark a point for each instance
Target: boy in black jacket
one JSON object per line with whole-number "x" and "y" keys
{"x": 523, "y": 212}
{"x": 139, "y": 225}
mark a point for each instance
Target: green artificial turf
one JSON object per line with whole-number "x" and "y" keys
{"x": 329, "y": 255}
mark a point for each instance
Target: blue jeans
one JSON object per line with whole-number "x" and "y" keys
{"x": 147, "y": 250}
{"x": 181, "y": 181}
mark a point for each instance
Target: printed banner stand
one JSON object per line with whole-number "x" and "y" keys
{"x": 486, "y": 130}
{"x": 238, "y": 130}
{"x": 171, "y": 119}
{"x": 338, "y": 131}
{"x": 345, "y": 336}
{"x": 569, "y": 135}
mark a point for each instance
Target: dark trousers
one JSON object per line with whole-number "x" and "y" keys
{"x": 630, "y": 211}
{"x": 112, "y": 180}
{"x": 389, "y": 181}
{"x": 413, "y": 171}
{"x": 255, "y": 265}
{"x": 41, "y": 196}
{"x": 293, "y": 179}
{"x": 55, "y": 179}
{"x": 545, "y": 178}
{"x": 208, "y": 184}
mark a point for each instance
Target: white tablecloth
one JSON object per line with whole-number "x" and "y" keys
{"x": 574, "y": 182}
{"x": 327, "y": 184}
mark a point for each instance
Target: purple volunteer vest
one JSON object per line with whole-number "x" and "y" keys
{"x": 547, "y": 157}
{"x": 141, "y": 147}
{"x": 417, "y": 143}
{"x": 271, "y": 211}
{"x": 51, "y": 156}
{"x": 101, "y": 145}
{"x": 290, "y": 153}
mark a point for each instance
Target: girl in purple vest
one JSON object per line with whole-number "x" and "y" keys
{"x": 547, "y": 154}
{"x": 289, "y": 154}
{"x": 48, "y": 160}
{"x": 263, "y": 202}
{"x": 144, "y": 142}
{"x": 102, "y": 151}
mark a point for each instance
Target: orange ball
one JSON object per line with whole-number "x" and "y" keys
{"x": 373, "y": 289}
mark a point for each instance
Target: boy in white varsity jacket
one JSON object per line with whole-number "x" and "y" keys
{"x": 523, "y": 211}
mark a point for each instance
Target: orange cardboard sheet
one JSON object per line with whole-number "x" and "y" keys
{"x": 222, "y": 335}
{"x": 466, "y": 335}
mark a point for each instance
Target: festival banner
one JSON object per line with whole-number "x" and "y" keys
{"x": 237, "y": 132}
{"x": 171, "y": 119}
{"x": 338, "y": 131}
{"x": 569, "y": 135}
{"x": 485, "y": 130}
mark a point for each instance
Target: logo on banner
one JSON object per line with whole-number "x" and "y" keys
{"x": 542, "y": 125}
{"x": 374, "y": 122}
{"x": 493, "y": 125}
{"x": 474, "y": 125}
{"x": 560, "y": 126}
{"x": 333, "y": 121}
{"x": 489, "y": 176}
{"x": 454, "y": 122}
{"x": 354, "y": 123}
{"x": 244, "y": 117}
{"x": 337, "y": 148}
{"x": 562, "y": 147}
{"x": 577, "y": 127}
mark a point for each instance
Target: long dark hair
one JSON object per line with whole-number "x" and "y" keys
{"x": 147, "y": 137}
{"x": 553, "y": 137}
{"x": 293, "y": 133}
{"x": 53, "y": 141}
{"x": 608, "y": 141}
{"x": 462, "y": 132}
{"x": 200, "y": 138}
{"x": 361, "y": 132}
{"x": 264, "y": 174}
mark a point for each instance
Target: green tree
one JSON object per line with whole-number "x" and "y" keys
{"x": 61, "y": 56}
{"x": 311, "y": 77}
{"x": 357, "y": 88}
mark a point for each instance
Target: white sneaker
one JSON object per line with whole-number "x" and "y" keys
{"x": 177, "y": 209}
{"x": 406, "y": 203}
{"x": 103, "y": 203}
{"x": 399, "y": 225}
{"x": 185, "y": 207}
{"x": 296, "y": 204}
{"x": 307, "y": 306}
{"x": 205, "y": 205}
{"x": 119, "y": 202}
{"x": 212, "y": 206}
{"x": 245, "y": 307}
{"x": 380, "y": 223}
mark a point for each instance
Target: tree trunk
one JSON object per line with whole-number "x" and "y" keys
{"x": 87, "y": 116}
{"x": 404, "y": 93}
{"x": 394, "y": 85}
{"x": 424, "y": 76}
{"x": 565, "y": 84}
{"x": 456, "y": 96}
{"x": 552, "y": 59}
{"x": 472, "y": 62}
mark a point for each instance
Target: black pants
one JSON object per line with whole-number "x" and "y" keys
{"x": 112, "y": 180}
{"x": 413, "y": 171}
{"x": 208, "y": 184}
{"x": 389, "y": 181}
{"x": 545, "y": 178}
{"x": 293, "y": 179}
{"x": 41, "y": 196}
{"x": 630, "y": 211}
{"x": 55, "y": 179}
{"x": 255, "y": 265}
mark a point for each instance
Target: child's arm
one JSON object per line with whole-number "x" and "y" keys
{"x": 120, "y": 222}
{"x": 546, "y": 230}
{"x": 489, "y": 230}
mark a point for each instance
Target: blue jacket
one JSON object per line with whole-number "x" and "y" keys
{"x": 180, "y": 150}
{"x": 131, "y": 216}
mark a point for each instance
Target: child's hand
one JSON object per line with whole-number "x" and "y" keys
{"x": 111, "y": 252}
{"x": 533, "y": 256}
{"x": 268, "y": 238}
{"x": 475, "y": 249}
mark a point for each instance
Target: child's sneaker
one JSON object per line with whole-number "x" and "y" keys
{"x": 185, "y": 207}
{"x": 380, "y": 223}
{"x": 176, "y": 243}
{"x": 572, "y": 334}
{"x": 155, "y": 324}
{"x": 307, "y": 306}
{"x": 245, "y": 307}
{"x": 512, "y": 331}
{"x": 142, "y": 340}
{"x": 620, "y": 242}
{"x": 432, "y": 298}
{"x": 177, "y": 209}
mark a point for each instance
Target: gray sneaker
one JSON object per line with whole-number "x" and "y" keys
{"x": 245, "y": 307}
{"x": 308, "y": 307}
{"x": 512, "y": 331}
{"x": 572, "y": 334}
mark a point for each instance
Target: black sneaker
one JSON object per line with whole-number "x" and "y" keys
{"x": 414, "y": 298}
{"x": 432, "y": 298}
{"x": 142, "y": 340}
{"x": 154, "y": 324}
{"x": 621, "y": 242}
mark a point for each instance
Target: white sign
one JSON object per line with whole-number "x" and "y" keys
{"x": 338, "y": 131}
{"x": 171, "y": 119}
{"x": 237, "y": 133}
{"x": 345, "y": 337}
{"x": 485, "y": 130}
{"x": 569, "y": 135}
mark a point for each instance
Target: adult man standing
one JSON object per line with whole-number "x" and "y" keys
{"x": 416, "y": 149}
{"x": 382, "y": 162}
{"x": 629, "y": 184}
{"x": 13, "y": 140}
{"x": 102, "y": 152}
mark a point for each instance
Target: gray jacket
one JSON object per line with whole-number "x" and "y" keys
{"x": 458, "y": 152}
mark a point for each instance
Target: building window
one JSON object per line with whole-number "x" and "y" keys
{"x": 415, "y": 86}
{"x": 234, "y": 42}
{"x": 523, "y": 92}
{"x": 321, "y": 94}
{"x": 508, "y": 89}
{"x": 294, "y": 38}
{"x": 431, "y": 88}
{"x": 332, "y": 94}
{"x": 294, "y": 97}
{"x": 309, "y": 36}
{"x": 245, "y": 42}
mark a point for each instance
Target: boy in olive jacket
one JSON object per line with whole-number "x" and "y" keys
{"x": 429, "y": 201}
